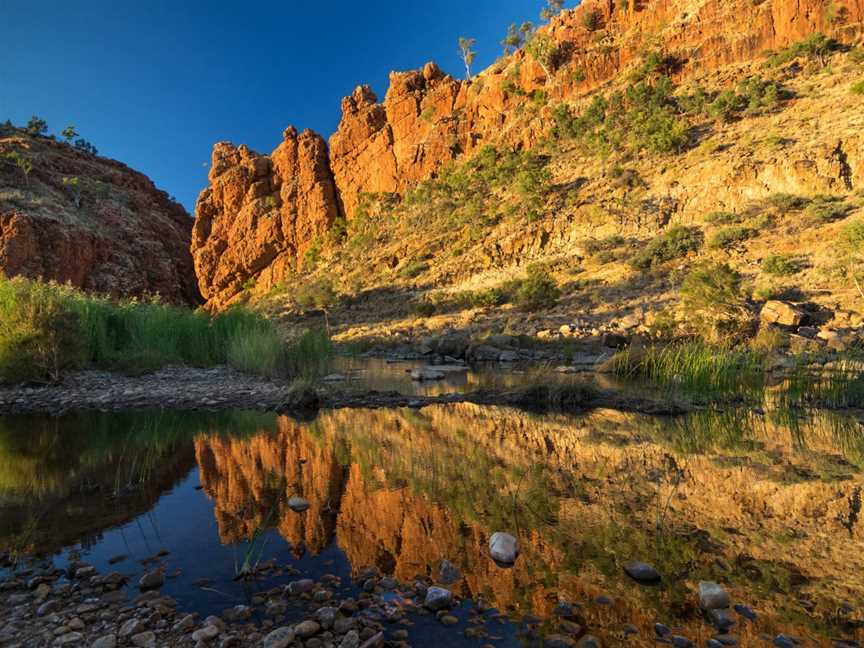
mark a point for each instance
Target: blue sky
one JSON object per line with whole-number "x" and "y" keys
{"x": 155, "y": 83}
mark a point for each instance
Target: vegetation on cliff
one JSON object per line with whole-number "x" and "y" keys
{"x": 46, "y": 328}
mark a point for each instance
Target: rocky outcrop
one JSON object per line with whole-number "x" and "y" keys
{"x": 90, "y": 221}
{"x": 428, "y": 119}
{"x": 261, "y": 214}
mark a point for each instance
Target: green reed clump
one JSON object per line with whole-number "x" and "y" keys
{"x": 46, "y": 328}
{"x": 699, "y": 370}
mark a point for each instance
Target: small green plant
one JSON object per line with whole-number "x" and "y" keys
{"x": 591, "y": 19}
{"x": 36, "y": 126}
{"x": 826, "y": 209}
{"x": 781, "y": 265}
{"x": 552, "y": 9}
{"x": 428, "y": 114}
{"x": 513, "y": 40}
{"x": 319, "y": 294}
{"x": 537, "y": 291}
{"x": 543, "y": 50}
{"x": 312, "y": 257}
{"x": 729, "y": 236}
{"x": 857, "y": 88}
{"x": 69, "y": 133}
{"x": 414, "y": 269}
{"x": 713, "y": 299}
{"x": 857, "y": 55}
{"x": 752, "y": 96}
{"x": 784, "y": 202}
{"x": 424, "y": 308}
{"x": 23, "y": 163}
{"x": 85, "y": 146}
{"x": 673, "y": 244}
{"x": 816, "y": 47}
{"x": 722, "y": 218}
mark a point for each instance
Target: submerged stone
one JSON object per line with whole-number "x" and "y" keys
{"x": 438, "y": 598}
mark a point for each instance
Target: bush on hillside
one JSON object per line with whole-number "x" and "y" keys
{"x": 729, "y": 236}
{"x": 816, "y": 47}
{"x": 673, "y": 244}
{"x": 714, "y": 303}
{"x": 537, "y": 291}
{"x": 781, "y": 265}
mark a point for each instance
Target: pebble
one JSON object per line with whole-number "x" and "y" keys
{"x": 438, "y": 598}
{"x": 106, "y": 641}
{"x": 278, "y": 638}
{"x": 306, "y": 629}
{"x": 206, "y": 633}
{"x": 151, "y": 580}
{"x": 144, "y": 639}
{"x": 642, "y": 572}
{"x": 745, "y": 611}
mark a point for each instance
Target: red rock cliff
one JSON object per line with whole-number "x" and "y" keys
{"x": 90, "y": 221}
{"x": 260, "y": 214}
{"x": 428, "y": 118}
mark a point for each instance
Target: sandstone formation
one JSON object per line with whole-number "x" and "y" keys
{"x": 261, "y": 214}
{"x": 428, "y": 119}
{"x": 91, "y": 222}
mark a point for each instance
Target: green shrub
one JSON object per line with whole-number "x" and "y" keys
{"x": 857, "y": 55}
{"x": 827, "y": 208}
{"x": 46, "y": 328}
{"x": 673, "y": 244}
{"x": 722, "y": 218}
{"x": 424, "y": 309}
{"x": 816, "y": 47}
{"x": 857, "y": 88}
{"x": 414, "y": 269}
{"x": 781, "y": 265}
{"x": 713, "y": 299}
{"x": 643, "y": 117}
{"x": 729, "y": 236}
{"x": 537, "y": 291}
{"x": 851, "y": 238}
{"x": 784, "y": 202}
{"x": 752, "y": 96}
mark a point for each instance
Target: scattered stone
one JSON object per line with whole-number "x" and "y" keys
{"x": 144, "y": 639}
{"x": 208, "y": 632}
{"x": 503, "y": 548}
{"x": 745, "y": 611}
{"x": 306, "y": 629}
{"x": 558, "y": 641}
{"x": 438, "y": 598}
{"x": 712, "y": 596}
{"x": 107, "y": 641}
{"x": 151, "y": 580}
{"x": 721, "y": 619}
{"x": 589, "y": 641}
{"x": 642, "y": 572}
{"x": 279, "y": 638}
{"x": 449, "y": 619}
{"x": 185, "y": 624}
{"x": 783, "y": 641}
{"x": 781, "y": 313}
{"x": 350, "y": 640}
{"x": 131, "y": 627}
{"x": 662, "y": 630}
{"x": 681, "y": 642}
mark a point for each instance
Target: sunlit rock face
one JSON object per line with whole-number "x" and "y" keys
{"x": 261, "y": 214}
{"x": 404, "y": 489}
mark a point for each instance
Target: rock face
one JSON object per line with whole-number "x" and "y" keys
{"x": 91, "y": 222}
{"x": 261, "y": 214}
{"x": 255, "y": 221}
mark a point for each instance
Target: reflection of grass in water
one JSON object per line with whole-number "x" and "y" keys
{"x": 840, "y": 386}
{"x": 710, "y": 429}
{"x": 44, "y": 456}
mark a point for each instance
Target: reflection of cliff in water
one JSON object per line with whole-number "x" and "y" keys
{"x": 66, "y": 480}
{"x": 733, "y": 499}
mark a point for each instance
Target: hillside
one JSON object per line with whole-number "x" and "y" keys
{"x": 666, "y": 136}
{"x": 72, "y": 216}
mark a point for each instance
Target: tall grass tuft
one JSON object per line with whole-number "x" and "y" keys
{"x": 701, "y": 371}
{"x": 46, "y": 328}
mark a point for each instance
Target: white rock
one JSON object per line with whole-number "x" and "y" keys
{"x": 503, "y": 548}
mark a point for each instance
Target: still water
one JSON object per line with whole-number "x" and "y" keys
{"x": 766, "y": 505}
